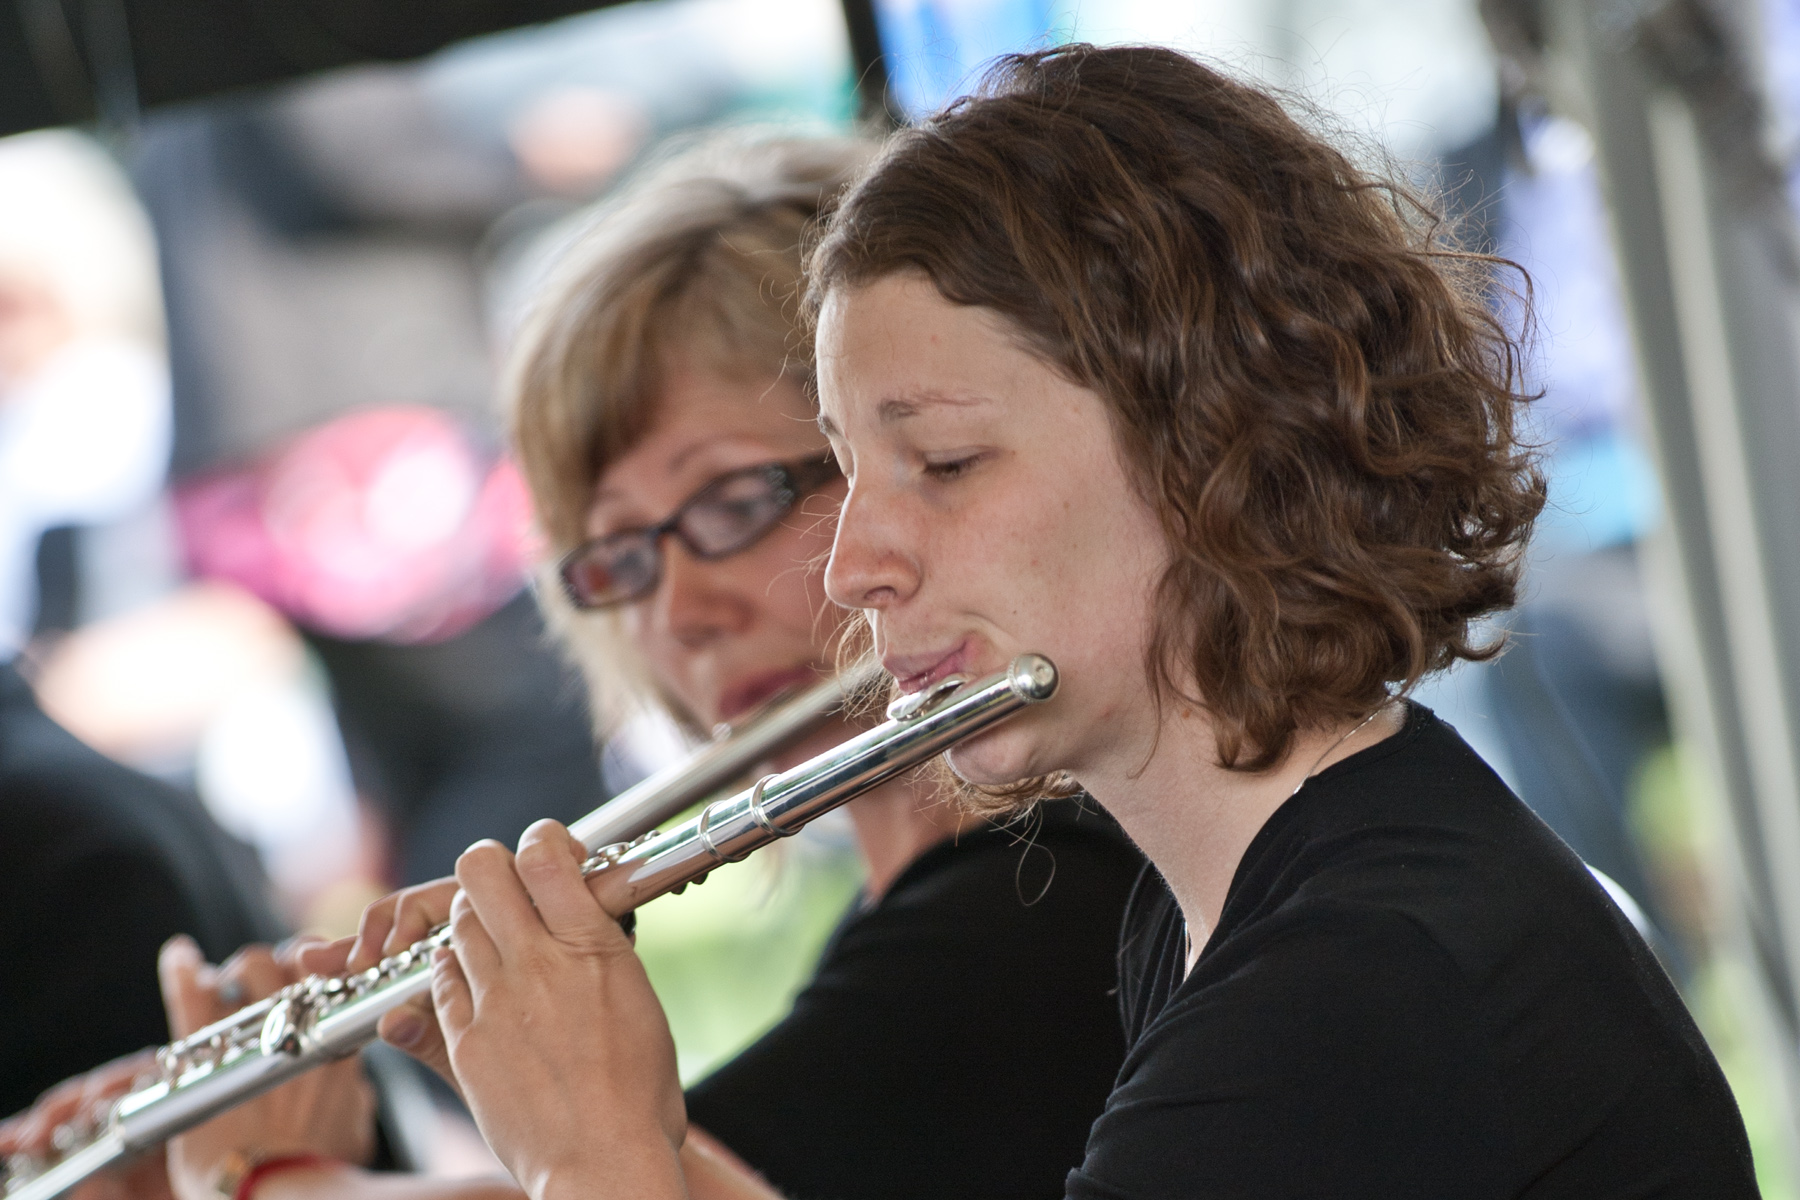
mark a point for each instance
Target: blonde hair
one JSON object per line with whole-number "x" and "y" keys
{"x": 697, "y": 261}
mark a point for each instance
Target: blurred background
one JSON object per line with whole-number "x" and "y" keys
{"x": 259, "y": 535}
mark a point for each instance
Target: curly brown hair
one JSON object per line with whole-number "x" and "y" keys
{"x": 1305, "y": 376}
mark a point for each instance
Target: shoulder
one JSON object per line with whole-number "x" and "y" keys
{"x": 1313, "y": 1052}
{"x": 54, "y": 787}
{"x": 1408, "y": 959}
{"x": 58, "y": 798}
{"x": 1352, "y": 1055}
{"x": 1325, "y": 982}
{"x": 1422, "y": 847}
{"x": 1420, "y": 829}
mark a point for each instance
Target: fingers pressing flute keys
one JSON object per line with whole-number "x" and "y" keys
{"x": 390, "y": 925}
{"x": 552, "y": 1027}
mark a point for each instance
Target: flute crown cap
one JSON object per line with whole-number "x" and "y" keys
{"x": 1033, "y": 678}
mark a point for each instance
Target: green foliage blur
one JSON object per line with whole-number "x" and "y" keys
{"x": 728, "y": 957}
{"x": 1681, "y": 828}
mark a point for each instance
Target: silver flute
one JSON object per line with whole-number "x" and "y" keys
{"x": 319, "y": 1020}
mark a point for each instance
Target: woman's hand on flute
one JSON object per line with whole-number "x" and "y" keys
{"x": 85, "y": 1098}
{"x": 329, "y": 1111}
{"x": 560, "y": 1044}
{"x": 388, "y": 926}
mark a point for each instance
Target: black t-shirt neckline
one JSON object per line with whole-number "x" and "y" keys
{"x": 1293, "y": 810}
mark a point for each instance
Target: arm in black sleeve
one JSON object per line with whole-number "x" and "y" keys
{"x": 957, "y": 1040}
{"x": 81, "y": 984}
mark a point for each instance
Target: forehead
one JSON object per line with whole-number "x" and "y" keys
{"x": 702, "y": 422}
{"x": 895, "y": 349}
{"x": 691, "y": 402}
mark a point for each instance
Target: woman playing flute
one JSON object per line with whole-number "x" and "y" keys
{"x": 1126, "y": 366}
{"x": 663, "y": 425}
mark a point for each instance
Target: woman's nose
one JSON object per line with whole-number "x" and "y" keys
{"x": 694, "y": 602}
{"x": 871, "y": 566}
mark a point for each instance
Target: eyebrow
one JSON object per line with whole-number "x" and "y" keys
{"x": 670, "y": 467}
{"x": 910, "y": 404}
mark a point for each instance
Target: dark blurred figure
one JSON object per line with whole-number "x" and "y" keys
{"x": 99, "y": 866}
{"x": 335, "y": 437}
{"x": 477, "y": 736}
{"x": 398, "y": 547}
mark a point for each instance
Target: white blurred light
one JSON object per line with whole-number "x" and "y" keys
{"x": 271, "y": 769}
{"x": 1418, "y": 75}
{"x": 420, "y": 497}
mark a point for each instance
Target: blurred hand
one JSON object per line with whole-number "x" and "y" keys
{"x": 328, "y": 1111}
{"x": 713, "y": 1172}
{"x": 563, "y": 1052}
{"x": 82, "y": 1100}
{"x": 390, "y": 925}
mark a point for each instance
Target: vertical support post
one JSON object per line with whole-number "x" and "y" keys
{"x": 872, "y": 86}
{"x": 1705, "y": 245}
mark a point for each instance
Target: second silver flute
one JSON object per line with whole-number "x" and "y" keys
{"x": 319, "y": 1020}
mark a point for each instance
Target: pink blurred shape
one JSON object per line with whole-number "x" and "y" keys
{"x": 384, "y": 524}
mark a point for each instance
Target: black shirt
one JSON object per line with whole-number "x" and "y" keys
{"x": 99, "y": 865}
{"x": 1414, "y": 990}
{"x": 960, "y": 1034}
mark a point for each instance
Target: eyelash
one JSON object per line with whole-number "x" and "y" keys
{"x": 944, "y": 472}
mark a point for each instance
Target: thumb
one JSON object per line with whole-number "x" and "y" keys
{"x": 414, "y": 1028}
{"x": 188, "y": 1002}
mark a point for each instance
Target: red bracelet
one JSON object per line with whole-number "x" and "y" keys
{"x": 273, "y": 1166}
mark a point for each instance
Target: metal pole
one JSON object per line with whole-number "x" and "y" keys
{"x": 1705, "y": 243}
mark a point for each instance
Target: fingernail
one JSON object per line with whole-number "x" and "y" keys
{"x": 405, "y": 1031}
{"x": 180, "y": 949}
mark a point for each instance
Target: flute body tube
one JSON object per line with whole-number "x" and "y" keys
{"x": 319, "y": 1020}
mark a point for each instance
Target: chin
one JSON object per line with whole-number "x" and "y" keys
{"x": 1006, "y": 755}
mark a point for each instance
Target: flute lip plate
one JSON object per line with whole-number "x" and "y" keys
{"x": 916, "y": 704}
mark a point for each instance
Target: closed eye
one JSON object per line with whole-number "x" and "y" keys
{"x": 950, "y": 469}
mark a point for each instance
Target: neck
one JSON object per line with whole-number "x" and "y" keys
{"x": 899, "y": 821}
{"x": 1194, "y": 819}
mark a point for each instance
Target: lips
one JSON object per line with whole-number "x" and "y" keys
{"x": 915, "y": 672}
{"x": 757, "y": 689}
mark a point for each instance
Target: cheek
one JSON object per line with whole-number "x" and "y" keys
{"x": 1050, "y": 559}
{"x": 667, "y": 659}
{"x": 786, "y": 573}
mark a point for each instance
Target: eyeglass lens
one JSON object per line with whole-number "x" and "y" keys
{"x": 735, "y": 509}
{"x": 722, "y": 518}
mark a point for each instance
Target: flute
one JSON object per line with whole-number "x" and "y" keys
{"x": 770, "y": 729}
{"x": 319, "y": 1020}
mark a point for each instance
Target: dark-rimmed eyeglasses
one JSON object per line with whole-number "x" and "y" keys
{"x": 729, "y": 514}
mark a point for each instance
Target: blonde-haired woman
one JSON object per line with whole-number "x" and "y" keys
{"x": 960, "y": 1033}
